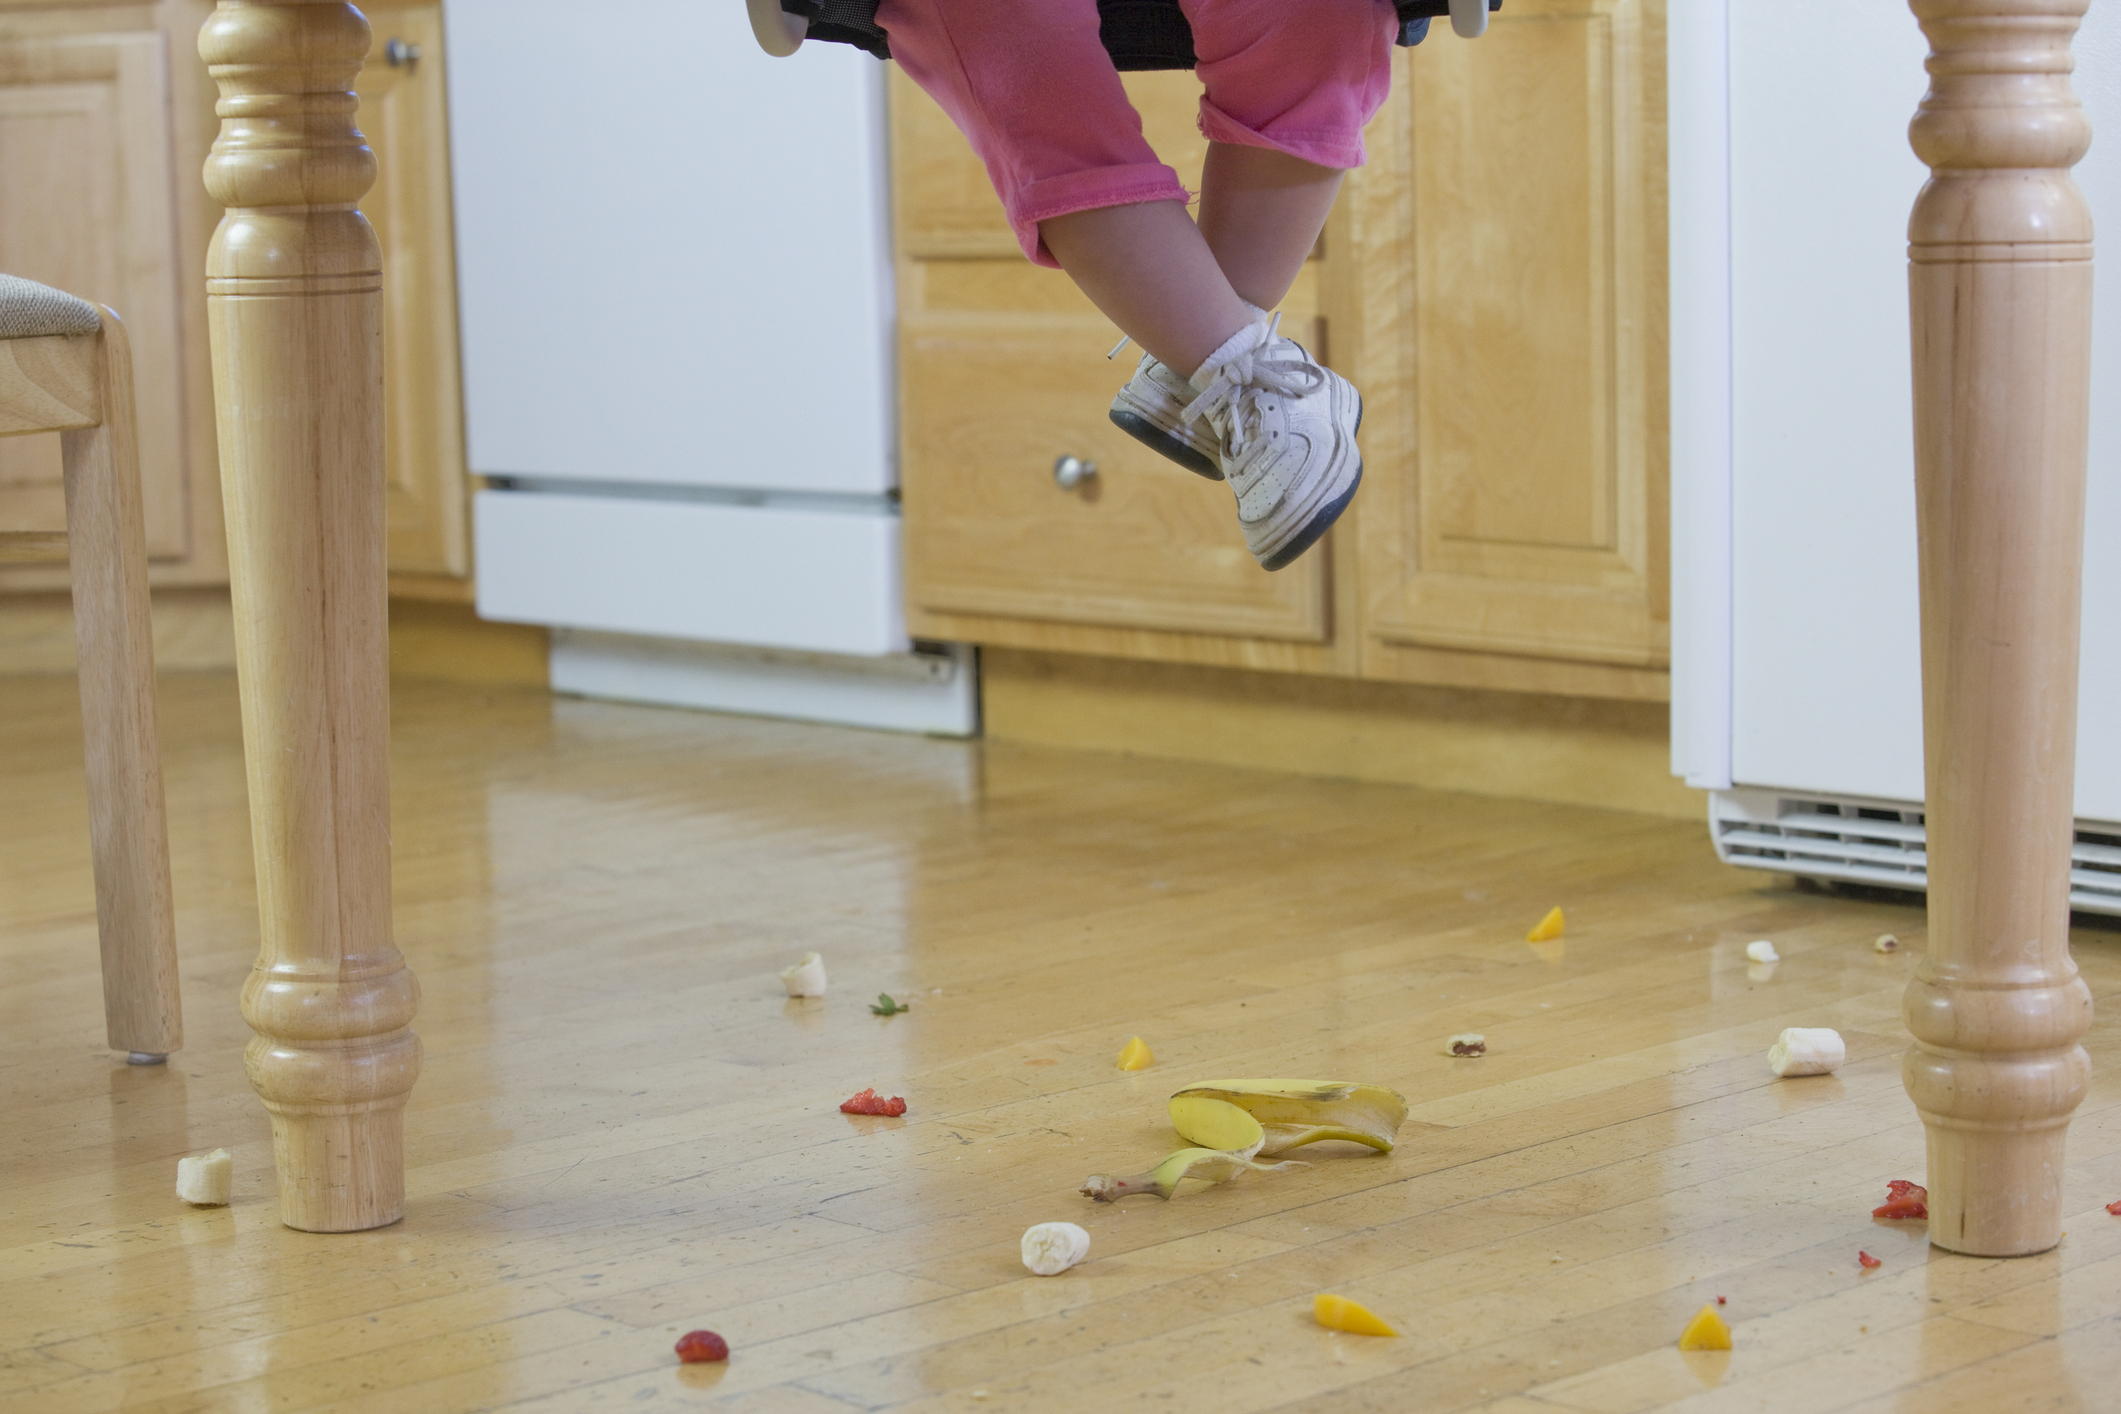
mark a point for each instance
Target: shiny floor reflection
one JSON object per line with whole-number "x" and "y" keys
{"x": 626, "y": 1130}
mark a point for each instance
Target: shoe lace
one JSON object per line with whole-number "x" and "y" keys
{"x": 1292, "y": 376}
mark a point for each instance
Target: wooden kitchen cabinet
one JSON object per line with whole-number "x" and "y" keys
{"x": 92, "y": 151}
{"x": 106, "y": 116}
{"x": 1493, "y": 283}
{"x": 404, "y": 116}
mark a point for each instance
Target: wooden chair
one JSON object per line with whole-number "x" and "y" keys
{"x": 65, "y": 367}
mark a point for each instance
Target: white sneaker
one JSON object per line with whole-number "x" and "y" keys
{"x": 1151, "y": 409}
{"x": 1285, "y": 430}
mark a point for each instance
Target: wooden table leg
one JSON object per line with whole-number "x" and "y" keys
{"x": 2000, "y": 279}
{"x": 295, "y": 311}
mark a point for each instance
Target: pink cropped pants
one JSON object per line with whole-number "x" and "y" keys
{"x": 1032, "y": 88}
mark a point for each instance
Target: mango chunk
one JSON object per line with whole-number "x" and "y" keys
{"x": 1548, "y": 928}
{"x": 1135, "y": 1056}
{"x": 1706, "y": 1331}
{"x": 1338, "y": 1313}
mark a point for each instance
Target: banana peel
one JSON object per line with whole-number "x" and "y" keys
{"x": 1289, "y": 1113}
{"x": 1205, "y": 1165}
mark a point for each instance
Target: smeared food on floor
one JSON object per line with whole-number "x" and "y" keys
{"x": 871, "y": 1103}
{"x": 1904, "y": 1200}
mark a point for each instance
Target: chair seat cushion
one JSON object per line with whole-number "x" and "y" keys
{"x": 29, "y": 310}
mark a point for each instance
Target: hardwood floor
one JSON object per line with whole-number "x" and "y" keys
{"x": 625, "y": 1131}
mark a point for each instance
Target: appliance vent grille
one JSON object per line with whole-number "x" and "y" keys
{"x": 1878, "y": 842}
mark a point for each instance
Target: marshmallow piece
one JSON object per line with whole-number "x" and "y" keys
{"x": 1052, "y": 1248}
{"x": 805, "y": 978}
{"x": 1887, "y": 943}
{"x": 207, "y": 1179}
{"x": 1762, "y": 951}
{"x": 1807, "y": 1050}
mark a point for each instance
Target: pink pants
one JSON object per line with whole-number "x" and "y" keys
{"x": 1031, "y": 87}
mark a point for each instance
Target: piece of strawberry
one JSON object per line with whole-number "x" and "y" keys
{"x": 1904, "y": 1200}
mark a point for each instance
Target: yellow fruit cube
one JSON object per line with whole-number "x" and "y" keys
{"x": 1706, "y": 1331}
{"x": 1135, "y": 1056}
{"x": 1338, "y": 1313}
{"x": 1548, "y": 928}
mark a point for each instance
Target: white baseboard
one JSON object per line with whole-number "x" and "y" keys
{"x": 933, "y": 690}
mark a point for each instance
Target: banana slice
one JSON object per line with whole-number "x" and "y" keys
{"x": 1292, "y": 1113}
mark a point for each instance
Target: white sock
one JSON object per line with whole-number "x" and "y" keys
{"x": 1236, "y": 344}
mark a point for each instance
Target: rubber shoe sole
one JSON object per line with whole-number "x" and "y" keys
{"x": 1163, "y": 443}
{"x": 1322, "y": 519}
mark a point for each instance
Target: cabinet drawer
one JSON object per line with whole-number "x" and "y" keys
{"x": 989, "y": 403}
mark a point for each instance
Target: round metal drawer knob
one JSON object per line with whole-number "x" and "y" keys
{"x": 1070, "y": 472}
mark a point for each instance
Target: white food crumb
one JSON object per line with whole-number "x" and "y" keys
{"x": 1762, "y": 951}
{"x": 206, "y": 1179}
{"x": 805, "y": 978}
{"x": 1807, "y": 1050}
{"x": 1470, "y": 1043}
{"x": 1887, "y": 943}
{"x": 1052, "y": 1248}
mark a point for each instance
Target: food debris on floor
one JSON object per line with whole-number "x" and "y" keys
{"x": 1904, "y": 1200}
{"x": 1762, "y": 951}
{"x": 885, "y": 1006}
{"x": 1867, "y": 1261}
{"x": 206, "y": 1180}
{"x": 2114, "y": 1208}
{"x": 701, "y": 1347}
{"x": 1548, "y": 928}
{"x": 1723, "y": 1301}
{"x": 1289, "y": 1113}
{"x": 1887, "y": 943}
{"x": 1200, "y": 1165}
{"x": 1705, "y": 1332}
{"x": 1135, "y": 1055}
{"x": 1051, "y": 1248}
{"x": 1339, "y": 1313}
{"x": 805, "y": 978}
{"x": 1807, "y": 1050}
{"x": 871, "y": 1103}
{"x": 1470, "y": 1043}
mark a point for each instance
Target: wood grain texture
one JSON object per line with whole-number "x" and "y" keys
{"x": 2000, "y": 281}
{"x": 50, "y": 384}
{"x": 1519, "y": 745}
{"x": 627, "y": 1131}
{"x": 294, "y": 286}
{"x": 1495, "y": 288}
{"x": 86, "y": 155}
{"x": 405, "y": 117}
{"x": 128, "y": 830}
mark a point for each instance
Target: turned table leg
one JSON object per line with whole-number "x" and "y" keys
{"x": 295, "y": 312}
{"x": 2000, "y": 280}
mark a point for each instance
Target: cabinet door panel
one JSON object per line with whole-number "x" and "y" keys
{"x": 85, "y": 126}
{"x": 989, "y": 402}
{"x": 403, "y": 117}
{"x": 1507, "y": 240}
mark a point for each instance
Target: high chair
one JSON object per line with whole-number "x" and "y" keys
{"x": 65, "y": 367}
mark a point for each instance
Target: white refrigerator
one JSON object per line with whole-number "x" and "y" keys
{"x": 675, "y": 291}
{"x": 1796, "y": 666}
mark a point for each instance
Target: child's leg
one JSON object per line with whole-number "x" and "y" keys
{"x": 1261, "y": 212}
{"x": 1288, "y": 89}
{"x": 1033, "y": 90}
{"x": 1148, "y": 268}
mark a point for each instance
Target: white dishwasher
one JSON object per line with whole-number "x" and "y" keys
{"x": 675, "y": 290}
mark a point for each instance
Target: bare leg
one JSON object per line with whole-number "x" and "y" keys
{"x": 1261, "y": 212}
{"x": 1147, "y": 268}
